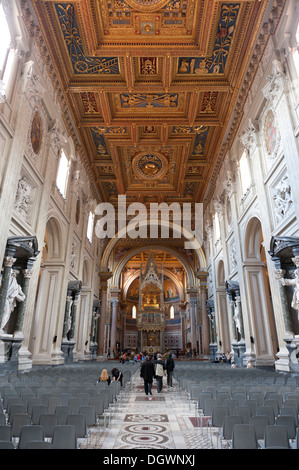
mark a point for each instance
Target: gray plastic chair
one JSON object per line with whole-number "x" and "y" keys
{"x": 6, "y": 445}
{"x": 289, "y": 411}
{"x": 74, "y": 404}
{"x": 30, "y": 433}
{"x": 208, "y": 406}
{"x": 202, "y": 397}
{"x": 89, "y": 412}
{"x": 18, "y": 422}
{"x": 52, "y": 403}
{"x": 243, "y": 437}
{"x": 244, "y": 412}
{"x": 62, "y": 411}
{"x": 266, "y": 411}
{"x": 227, "y": 428}
{"x": 64, "y": 437}
{"x": 289, "y": 423}
{"x": 16, "y": 409}
{"x": 252, "y": 404}
{"x": 33, "y": 402}
{"x": 276, "y": 435}
{"x": 259, "y": 423}
{"x": 98, "y": 403}
{"x": 274, "y": 403}
{"x": 38, "y": 410}
{"x": 38, "y": 445}
{"x": 231, "y": 404}
{"x": 5, "y": 433}
{"x": 48, "y": 421}
{"x": 79, "y": 422}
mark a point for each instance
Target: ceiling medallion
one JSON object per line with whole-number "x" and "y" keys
{"x": 147, "y": 5}
{"x": 150, "y": 165}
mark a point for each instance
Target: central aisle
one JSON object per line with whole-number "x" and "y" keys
{"x": 161, "y": 421}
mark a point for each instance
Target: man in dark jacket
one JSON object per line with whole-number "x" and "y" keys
{"x": 169, "y": 369}
{"x": 147, "y": 372}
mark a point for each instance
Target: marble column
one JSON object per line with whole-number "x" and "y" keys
{"x": 73, "y": 316}
{"x": 104, "y": 276}
{"x": 27, "y": 273}
{"x": 234, "y": 329}
{"x": 205, "y": 321}
{"x": 8, "y": 263}
{"x": 239, "y": 309}
{"x": 183, "y": 343}
{"x": 114, "y": 303}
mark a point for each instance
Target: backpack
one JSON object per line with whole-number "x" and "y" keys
{"x": 159, "y": 370}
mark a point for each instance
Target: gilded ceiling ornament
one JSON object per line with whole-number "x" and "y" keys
{"x": 149, "y": 101}
{"x": 216, "y": 63}
{"x": 81, "y": 64}
{"x": 147, "y": 5}
{"x": 150, "y": 165}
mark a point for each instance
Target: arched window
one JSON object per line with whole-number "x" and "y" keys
{"x": 245, "y": 172}
{"x": 6, "y": 53}
{"x": 63, "y": 173}
{"x": 134, "y": 311}
{"x": 172, "y": 311}
{"x": 90, "y": 226}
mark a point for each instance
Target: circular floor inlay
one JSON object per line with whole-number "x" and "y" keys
{"x": 140, "y": 428}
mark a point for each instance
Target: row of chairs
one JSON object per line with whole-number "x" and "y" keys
{"x": 244, "y": 436}
{"x": 34, "y": 437}
{"x": 35, "y": 411}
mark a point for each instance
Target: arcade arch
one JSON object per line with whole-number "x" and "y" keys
{"x": 263, "y": 336}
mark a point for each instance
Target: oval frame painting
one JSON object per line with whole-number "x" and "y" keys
{"x": 36, "y": 133}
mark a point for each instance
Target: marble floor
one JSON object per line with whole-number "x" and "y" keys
{"x": 159, "y": 421}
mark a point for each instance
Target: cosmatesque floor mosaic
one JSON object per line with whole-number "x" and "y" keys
{"x": 159, "y": 421}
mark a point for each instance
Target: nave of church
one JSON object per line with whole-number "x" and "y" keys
{"x": 149, "y": 198}
{"x": 207, "y": 406}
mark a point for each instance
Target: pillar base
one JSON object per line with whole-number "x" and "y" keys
{"x": 292, "y": 345}
{"x": 67, "y": 348}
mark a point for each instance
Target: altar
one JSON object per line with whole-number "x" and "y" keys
{"x": 150, "y": 314}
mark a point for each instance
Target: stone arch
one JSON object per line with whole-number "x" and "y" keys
{"x": 166, "y": 272}
{"x": 261, "y": 322}
{"x": 124, "y": 260}
{"x": 253, "y": 239}
{"x": 54, "y": 239}
{"x": 175, "y": 228}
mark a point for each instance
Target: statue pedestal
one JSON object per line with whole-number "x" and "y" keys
{"x": 292, "y": 345}
{"x": 67, "y": 348}
{"x": 239, "y": 349}
{"x": 213, "y": 352}
{"x": 93, "y": 350}
{"x": 9, "y": 352}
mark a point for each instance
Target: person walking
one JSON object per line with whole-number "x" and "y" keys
{"x": 160, "y": 367}
{"x": 147, "y": 372}
{"x": 170, "y": 365}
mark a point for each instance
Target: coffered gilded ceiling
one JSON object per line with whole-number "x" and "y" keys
{"x": 151, "y": 86}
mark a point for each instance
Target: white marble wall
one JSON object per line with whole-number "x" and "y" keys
{"x": 269, "y": 207}
{"x": 31, "y": 204}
